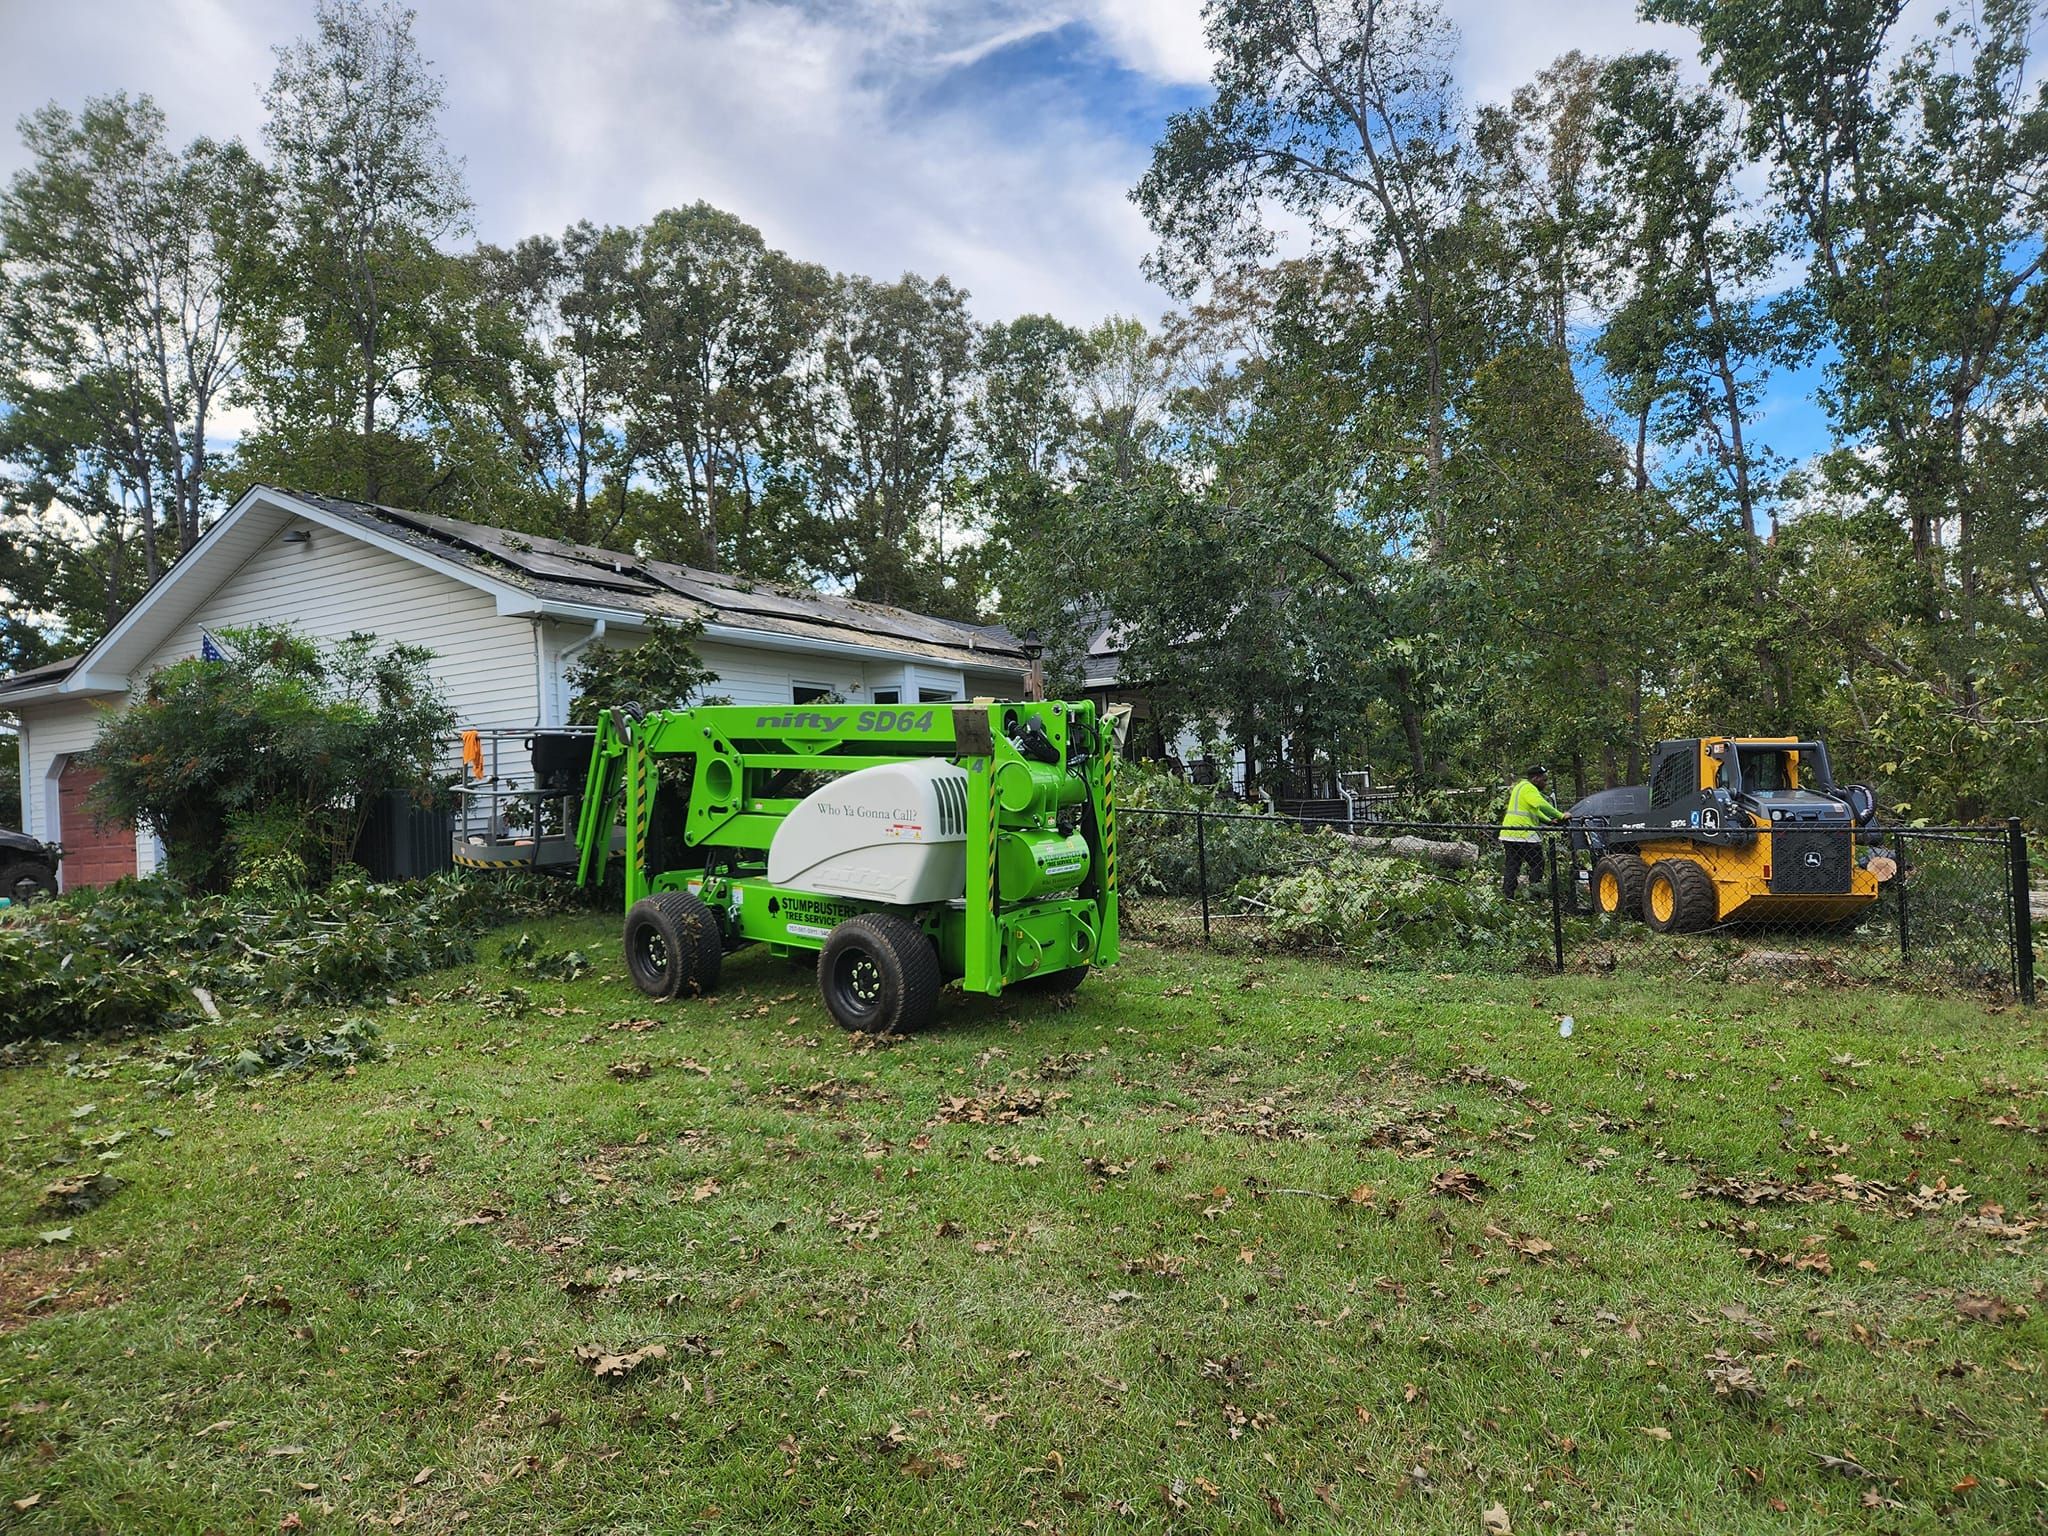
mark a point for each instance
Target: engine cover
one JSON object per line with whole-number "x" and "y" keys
{"x": 895, "y": 833}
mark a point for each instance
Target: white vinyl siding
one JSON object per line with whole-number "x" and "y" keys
{"x": 49, "y": 733}
{"x": 335, "y": 586}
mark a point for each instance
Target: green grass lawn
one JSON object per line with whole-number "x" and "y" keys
{"x": 1226, "y": 1244}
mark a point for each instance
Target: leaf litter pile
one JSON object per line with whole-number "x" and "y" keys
{"x": 1208, "y": 1248}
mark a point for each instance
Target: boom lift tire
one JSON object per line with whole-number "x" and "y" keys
{"x": 879, "y": 974}
{"x": 1618, "y": 880}
{"x": 1053, "y": 983}
{"x": 673, "y": 947}
{"x": 1679, "y": 897}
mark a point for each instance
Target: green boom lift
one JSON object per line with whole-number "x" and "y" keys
{"x": 903, "y": 846}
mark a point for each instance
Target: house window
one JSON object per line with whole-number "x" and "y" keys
{"x": 888, "y": 695}
{"x": 813, "y": 693}
{"x": 936, "y": 695}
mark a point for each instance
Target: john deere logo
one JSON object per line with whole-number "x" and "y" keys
{"x": 1813, "y": 861}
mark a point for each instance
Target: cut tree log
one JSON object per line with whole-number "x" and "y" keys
{"x": 1443, "y": 855}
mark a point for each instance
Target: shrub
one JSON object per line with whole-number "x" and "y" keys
{"x": 264, "y": 764}
{"x": 1158, "y": 854}
{"x": 661, "y": 672}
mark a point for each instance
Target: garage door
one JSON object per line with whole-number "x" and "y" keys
{"x": 92, "y": 855}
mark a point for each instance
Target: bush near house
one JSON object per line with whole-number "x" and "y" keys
{"x": 260, "y": 768}
{"x": 661, "y": 672}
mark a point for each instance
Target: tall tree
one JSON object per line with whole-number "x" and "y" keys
{"x": 1916, "y": 170}
{"x": 1343, "y": 115}
{"x": 127, "y": 285}
{"x": 369, "y": 191}
{"x": 1536, "y": 156}
{"x": 575, "y": 300}
{"x": 892, "y": 382}
{"x": 725, "y": 327}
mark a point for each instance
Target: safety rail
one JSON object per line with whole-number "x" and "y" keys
{"x": 516, "y": 802}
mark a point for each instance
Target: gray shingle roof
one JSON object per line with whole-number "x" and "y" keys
{"x": 556, "y": 570}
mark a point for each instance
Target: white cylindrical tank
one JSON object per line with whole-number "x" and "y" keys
{"x": 895, "y": 833}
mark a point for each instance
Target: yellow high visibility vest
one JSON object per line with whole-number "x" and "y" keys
{"x": 1528, "y": 809}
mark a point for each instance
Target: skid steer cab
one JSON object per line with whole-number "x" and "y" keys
{"x": 904, "y": 847}
{"x": 1733, "y": 829}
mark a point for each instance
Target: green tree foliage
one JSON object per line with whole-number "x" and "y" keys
{"x": 1454, "y": 453}
{"x": 263, "y": 767}
{"x": 660, "y": 671}
{"x": 1916, "y": 173}
{"x": 362, "y": 340}
{"x": 126, "y": 296}
{"x": 1343, "y": 114}
{"x": 10, "y": 782}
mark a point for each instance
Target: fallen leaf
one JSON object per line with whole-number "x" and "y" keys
{"x": 55, "y": 1235}
{"x": 1980, "y": 1307}
{"x": 80, "y": 1193}
{"x": 1494, "y": 1521}
{"x": 28, "y": 1502}
{"x": 1654, "y": 1431}
{"x": 606, "y": 1365}
{"x": 1459, "y": 1184}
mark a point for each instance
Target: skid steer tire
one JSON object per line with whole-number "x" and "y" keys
{"x": 1618, "y": 885}
{"x": 673, "y": 947}
{"x": 879, "y": 975}
{"x": 1679, "y": 897}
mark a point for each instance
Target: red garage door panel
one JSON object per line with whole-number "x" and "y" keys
{"x": 92, "y": 855}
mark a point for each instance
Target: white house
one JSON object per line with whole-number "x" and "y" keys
{"x": 505, "y": 615}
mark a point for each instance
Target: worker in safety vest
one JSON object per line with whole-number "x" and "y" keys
{"x": 1521, "y": 844}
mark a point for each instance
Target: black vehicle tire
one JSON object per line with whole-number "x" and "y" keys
{"x": 1679, "y": 897}
{"x": 673, "y": 946}
{"x": 1617, "y": 888}
{"x": 26, "y": 882}
{"x": 1054, "y": 983}
{"x": 879, "y": 974}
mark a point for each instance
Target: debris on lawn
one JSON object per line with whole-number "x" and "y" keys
{"x": 1733, "y": 1377}
{"x": 341, "y": 1047}
{"x": 145, "y": 956}
{"x": 1006, "y": 1106}
{"x": 81, "y": 1193}
{"x": 1981, "y": 1307}
{"x": 526, "y": 954}
{"x": 609, "y": 1365}
{"x": 1458, "y": 1183}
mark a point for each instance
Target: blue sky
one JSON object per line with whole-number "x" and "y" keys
{"x": 995, "y": 142}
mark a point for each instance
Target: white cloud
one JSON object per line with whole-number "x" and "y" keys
{"x": 1159, "y": 38}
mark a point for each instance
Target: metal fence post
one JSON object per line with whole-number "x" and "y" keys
{"x": 2022, "y": 910}
{"x": 1556, "y": 909}
{"x": 1202, "y": 866}
{"x": 1900, "y": 875}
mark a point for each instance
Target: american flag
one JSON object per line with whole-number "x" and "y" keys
{"x": 210, "y": 648}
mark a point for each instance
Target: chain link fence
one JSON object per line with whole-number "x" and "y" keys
{"x": 1937, "y": 909}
